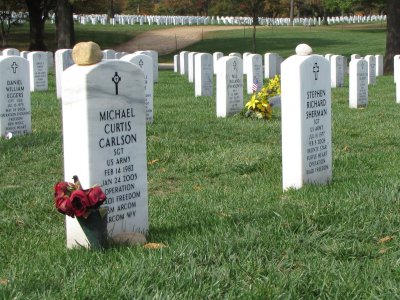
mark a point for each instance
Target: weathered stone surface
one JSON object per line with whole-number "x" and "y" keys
{"x": 303, "y": 50}
{"x": 129, "y": 238}
{"x": 86, "y": 53}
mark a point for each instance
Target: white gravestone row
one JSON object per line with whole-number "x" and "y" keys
{"x": 204, "y": 77}
{"x": 229, "y": 86}
{"x": 15, "y": 98}
{"x": 63, "y": 60}
{"x": 306, "y": 120}
{"x": 254, "y": 73}
{"x": 145, "y": 63}
{"x": 105, "y": 104}
{"x": 38, "y": 71}
{"x": 358, "y": 83}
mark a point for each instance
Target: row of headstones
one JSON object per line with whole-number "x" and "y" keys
{"x": 200, "y": 68}
{"x": 206, "y": 20}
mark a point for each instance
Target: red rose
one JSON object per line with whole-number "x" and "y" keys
{"x": 60, "y": 189}
{"x": 96, "y": 197}
{"x": 79, "y": 202}
{"x": 64, "y": 206}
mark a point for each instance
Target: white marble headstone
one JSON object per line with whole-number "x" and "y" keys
{"x": 15, "y": 98}
{"x": 306, "y": 121}
{"x": 229, "y": 86}
{"x": 371, "y": 69}
{"x": 337, "y": 71}
{"x": 396, "y": 67}
{"x": 270, "y": 65}
{"x": 63, "y": 60}
{"x": 355, "y": 56}
{"x": 109, "y": 54}
{"x": 176, "y": 63}
{"x": 38, "y": 70}
{"x": 358, "y": 83}
{"x": 191, "y": 66}
{"x": 379, "y": 64}
{"x": 103, "y": 109}
{"x": 204, "y": 77}
{"x": 11, "y": 52}
{"x": 216, "y": 57}
{"x": 183, "y": 62}
{"x": 145, "y": 63}
{"x": 245, "y": 54}
{"x": 254, "y": 73}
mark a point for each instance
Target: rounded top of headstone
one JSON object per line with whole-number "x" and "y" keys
{"x": 86, "y": 53}
{"x": 303, "y": 50}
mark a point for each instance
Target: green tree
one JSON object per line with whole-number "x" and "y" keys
{"x": 393, "y": 34}
{"x": 9, "y": 17}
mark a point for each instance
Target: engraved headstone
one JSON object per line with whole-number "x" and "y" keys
{"x": 145, "y": 63}
{"x": 38, "y": 70}
{"x": 15, "y": 98}
{"x": 371, "y": 69}
{"x": 63, "y": 60}
{"x": 337, "y": 71}
{"x": 204, "y": 74}
{"x": 104, "y": 113}
{"x": 11, "y": 52}
{"x": 254, "y": 73}
{"x": 358, "y": 83}
{"x": 306, "y": 121}
{"x": 229, "y": 86}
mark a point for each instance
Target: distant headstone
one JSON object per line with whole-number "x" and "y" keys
{"x": 24, "y": 54}
{"x": 355, "y": 56}
{"x": 254, "y": 73}
{"x": 63, "y": 60}
{"x": 216, "y": 57}
{"x": 38, "y": 70}
{"x": 145, "y": 63}
{"x": 271, "y": 61}
{"x": 245, "y": 54}
{"x": 11, "y": 52}
{"x": 379, "y": 64}
{"x": 396, "y": 67}
{"x": 306, "y": 121}
{"x": 358, "y": 83}
{"x": 154, "y": 55}
{"x": 176, "y": 63}
{"x": 183, "y": 62}
{"x": 236, "y": 54}
{"x": 328, "y": 56}
{"x": 191, "y": 66}
{"x": 108, "y": 54}
{"x": 15, "y": 98}
{"x": 229, "y": 86}
{"x": 204, "y": 74}
{"x": 337, "y": 71}
{"x": 371, "y": 69}
{"x": 104, "y": 113}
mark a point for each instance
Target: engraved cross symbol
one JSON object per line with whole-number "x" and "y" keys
{"x": 141, "y": 63}
{"x": 235, "y": 65}
{"x": 316, "y": 71}
{"x": 14, "y": 66}
{"x": 116, "y": 79}
{"x": 362, "y": 65}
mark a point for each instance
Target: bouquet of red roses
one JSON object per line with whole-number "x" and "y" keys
{"x": 70, "y": 199}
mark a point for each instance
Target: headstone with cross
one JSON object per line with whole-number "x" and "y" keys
{"x": 15, "y": 98}
{"x": 358, "y": 83}
{"x": 204, "y": 78}
{"x": 254, "y": 73}
{"x": 306, "y": 119}
{"x": 145, "y": 63}
{"x": 229, "y": 86}
{"x": 104, "y": 138}
{"x": 38, "y": 71}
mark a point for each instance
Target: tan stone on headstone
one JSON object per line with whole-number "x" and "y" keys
{"x": 86, "y": 53}
{"x": 129, "y": 238}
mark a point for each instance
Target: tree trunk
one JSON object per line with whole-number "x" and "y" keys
{"x": 65, "y": 25}
{"x": 393, "y": 34}
{"x": 291, "y": 11}
{"x": 254, "y": 38}
{"x": 36, "y": 26}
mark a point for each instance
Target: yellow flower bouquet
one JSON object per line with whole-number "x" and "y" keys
{"x": 259, "y": 106}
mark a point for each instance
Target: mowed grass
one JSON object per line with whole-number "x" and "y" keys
{"x": 216, "y": 202}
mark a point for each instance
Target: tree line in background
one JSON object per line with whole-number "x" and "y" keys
{"x": 38, "y": 12}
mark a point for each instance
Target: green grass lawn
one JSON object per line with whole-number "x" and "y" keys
{"x": 216, "y": 202}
